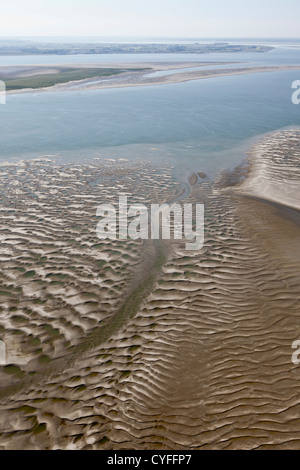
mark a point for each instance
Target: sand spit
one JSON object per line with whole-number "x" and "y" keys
{"x": 203, "y": 363}
{"x": 144, "y": 78}
{"x": 129, "y": 73}
{"x": 274, "y": 172}
{"x": 17, "y": 71}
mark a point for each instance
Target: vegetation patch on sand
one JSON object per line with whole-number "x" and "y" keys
{"x": 65, "y": 75}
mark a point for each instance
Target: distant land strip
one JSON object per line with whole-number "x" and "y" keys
{"x": 31, "y": 48}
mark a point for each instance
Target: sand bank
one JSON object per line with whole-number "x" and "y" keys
{"x": 274, "y": 170}
{"x": 144, "y": 78}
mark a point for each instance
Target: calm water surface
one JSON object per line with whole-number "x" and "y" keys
{"x": 202, "y": 125}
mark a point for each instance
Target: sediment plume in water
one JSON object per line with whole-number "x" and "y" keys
{"x": 201, "y": 360}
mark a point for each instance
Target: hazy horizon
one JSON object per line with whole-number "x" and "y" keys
{"x": 158, "y": 18}
{"x": 157, "y": 39}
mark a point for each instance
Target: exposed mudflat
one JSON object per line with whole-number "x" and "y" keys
{"x": 138, "y": 345}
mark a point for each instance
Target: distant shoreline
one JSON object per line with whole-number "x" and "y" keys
{"x": 61, "y": 48}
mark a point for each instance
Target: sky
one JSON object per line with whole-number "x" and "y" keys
{"x": 153, "y": 18}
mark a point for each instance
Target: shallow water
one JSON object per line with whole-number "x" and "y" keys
{"x": 203, "y": 125}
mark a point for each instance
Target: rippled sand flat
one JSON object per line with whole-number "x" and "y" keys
{"x": 135, "y": 345}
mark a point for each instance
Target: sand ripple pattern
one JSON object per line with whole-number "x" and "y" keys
{"x": 205, "y": 363}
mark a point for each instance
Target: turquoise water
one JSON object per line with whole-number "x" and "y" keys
{"x": 202, "y": 125}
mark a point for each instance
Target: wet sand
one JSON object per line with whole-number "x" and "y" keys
{"x": 274, "y": 170}
{"x": 201, "y": 361}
